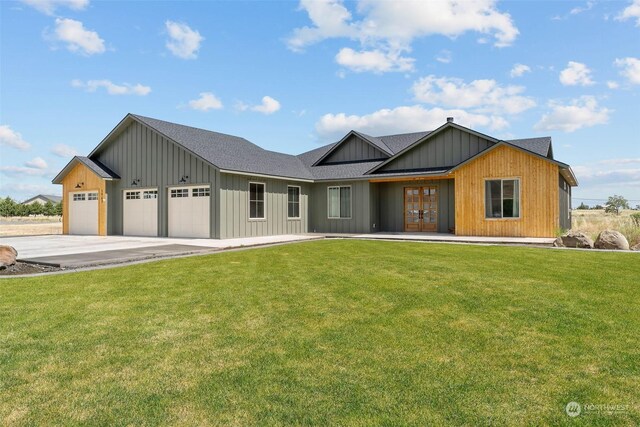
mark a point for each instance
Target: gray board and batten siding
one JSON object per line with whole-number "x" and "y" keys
{"x": 355, "y": 149}
{"x": 139, "y": 152}
{"x": 234, "y": 207}
{"x": 564, "y": 194}
{"x": 444, "y": 149}
{"x": 361, "y": 207}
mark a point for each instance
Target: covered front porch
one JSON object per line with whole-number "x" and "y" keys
{"x": 448, "y": 238}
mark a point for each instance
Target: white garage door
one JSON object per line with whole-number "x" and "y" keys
{"x": 140, "y": 212}
{"x": 83, "y": 212}
{"x": 189, "y": 211}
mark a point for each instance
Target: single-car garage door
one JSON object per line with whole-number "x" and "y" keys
{"x": 189, "y": 214}
{"x": 83, "y": 212}
{"x": 140, "y": 212}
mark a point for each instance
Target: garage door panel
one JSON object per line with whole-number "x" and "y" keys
{"x": 83, "y": 212}
{"x": 189, "y": 212}
{"x": 140, "y": 212}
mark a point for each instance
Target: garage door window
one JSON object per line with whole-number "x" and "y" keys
{"x": 92, "y": 196}
{"x": 132, "y": 195}
{"x": 78, "y": 197}
{"x": 150, "y": 194}
{"x": 179, "y": 192}
{"x": 256, "y": 200}
{"x": 200, "y": 192}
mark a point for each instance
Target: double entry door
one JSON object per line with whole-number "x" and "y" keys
{"x": 421, "y": 208}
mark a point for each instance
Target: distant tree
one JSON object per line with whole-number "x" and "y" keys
{"x": 598, "y": 207}
{"x": 7, "y": 206}
{"x": 49, "y": 208}
{"x": 58, "y": 208}
{"x": 615, "y": 204}
{"x": 638, "y": 207}
{"x": 35, "y": 208}
{"x": 583, "y": 206}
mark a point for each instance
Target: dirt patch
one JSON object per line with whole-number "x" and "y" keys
{"x": 30, "y": 229}
{"x": 24, "y": 268}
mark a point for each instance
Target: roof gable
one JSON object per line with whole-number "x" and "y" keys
{"x": 355, "y": 147}
{"x": 93, "y": 165}
{"x": 441, "y": 149}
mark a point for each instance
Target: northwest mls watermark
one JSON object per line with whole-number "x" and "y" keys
{"x": 575, "y": 409}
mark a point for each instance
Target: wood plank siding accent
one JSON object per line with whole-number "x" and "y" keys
{"x": 92, "y": 182}
{"x": 539, "y": 210}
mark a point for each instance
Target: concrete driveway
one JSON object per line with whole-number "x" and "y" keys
{"x": 81, "y": 251}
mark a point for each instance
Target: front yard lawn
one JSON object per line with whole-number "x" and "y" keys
{"x": 328, "y": 332}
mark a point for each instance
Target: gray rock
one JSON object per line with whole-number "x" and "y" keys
{"x": 558, "y": 243}
{"x": 611, "y": 239}
{"x": 577, "y": 240}
{"x": 8, "y": 256}
{"x": 636, "y": 247}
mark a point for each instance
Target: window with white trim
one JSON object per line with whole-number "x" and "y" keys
{"x": 339, "y": 202}
{"x": 78, "y": 197}
{"x": 150, "y": 194}
{"x": 92, "y": 196}
{"x": 179, "y": 192}
{"x": 502, "y": 198}
{"x": 256, "y": 200}
{"x": 132, "y": 195}
{"x": 293, "y": 202}
{"x": 200, "y": 192}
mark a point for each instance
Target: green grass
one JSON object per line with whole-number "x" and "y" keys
{"x": 328, "y": 332}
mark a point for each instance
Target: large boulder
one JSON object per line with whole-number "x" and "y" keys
{"x": 8, "y": 256}
{"x": 558, "y": 243}
{"x": 636, "y": 247}
{"x": 611, "y": 239}
{"x": 577, "y": 240}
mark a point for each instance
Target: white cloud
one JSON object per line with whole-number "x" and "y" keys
{"x": 518, "y": 70}
{"x": 399, "y": 120}
{"x": 579, "y": 113}
{"x": 576, "y": 74}
{"x": 388, "y": 28}
{"x": 630, "y": 69}
{"x": 49, "y": 6}
{"x": 22, "y": 191}
{"x": 184, "y": 42}
{"x": 612, "y": 85}
{"x": 112, "y": 88}
{"x": 579, "y": 9}
{"x": 63, "y": 150}
{"x": 11, "y": 138}
{"x": 36, "y": 163}
{"x": 34, "y": 167}
{"x": 482, "y": 95}
{"x": 268, "y": 106}
{"x": 78, "y": 38}
{"x": 445, "y": 56}
{"x": 207, "y": 101}
{"x": 375, "y": 61}
{"x": 631, "y": 12}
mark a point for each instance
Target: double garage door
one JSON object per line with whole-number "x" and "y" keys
{"x": 188, "y": 212}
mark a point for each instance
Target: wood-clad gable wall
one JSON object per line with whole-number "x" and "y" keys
{"x": 354, "y": 149}
{"x": 539, "y": 210}
{"x": 89, "y": 181}
{"x": 444, "y": 149}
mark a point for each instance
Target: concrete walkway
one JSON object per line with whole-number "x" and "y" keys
{"x": 451, "y": 238}
{"x": 78, "y": 251}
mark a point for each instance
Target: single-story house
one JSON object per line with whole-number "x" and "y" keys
{"x": 42, "y": 199}
{"x": 150, "y": 177}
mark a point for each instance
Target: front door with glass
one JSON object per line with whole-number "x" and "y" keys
{"x": 421, "y": 208}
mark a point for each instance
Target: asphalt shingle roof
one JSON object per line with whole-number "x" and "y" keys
{"x": 101, "y": 170}
{"x": 537, "y": 145}
{"x": 230, "y": 152}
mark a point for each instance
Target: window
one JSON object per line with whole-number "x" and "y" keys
{"x": 179, "y": 192}
{"x": 78, "y": 197}
{"x": 256, "y": 200}
{"x": 92, "y": 196}
{"x": 132, "y": 195}
{"x": 293, "y": 202}
{"x": 200, "y": 192}
{"x": 339, "y": 202}
{"x": 150, "y": 194}
{"x": 502, "y": 198}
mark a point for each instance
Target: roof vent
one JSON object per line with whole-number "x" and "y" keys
{"x": 449, "y": 119}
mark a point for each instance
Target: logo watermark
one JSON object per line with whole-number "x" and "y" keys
{"x": 574, "y": 409}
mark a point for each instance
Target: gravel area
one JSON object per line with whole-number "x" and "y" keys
{"x": 24, "y": 268}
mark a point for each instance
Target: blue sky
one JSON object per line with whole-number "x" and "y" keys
{"x": 290, "y": 76}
